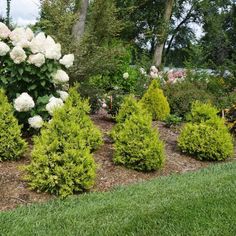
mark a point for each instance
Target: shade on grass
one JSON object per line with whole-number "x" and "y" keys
{"x": 200, "y": 203}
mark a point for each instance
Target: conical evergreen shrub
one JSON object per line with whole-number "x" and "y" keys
{"x": 129, "y": 107}
{"x": 62, "y": 162}
{"x": 206, "y": 137}
{"x": 137, "y": 145}
{"x": 12, "y": 146}
{"x": 155, "y": 102}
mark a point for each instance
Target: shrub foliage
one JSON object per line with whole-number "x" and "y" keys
{"x": 137, "y": 145}
{"x": 62, "y": 162}
{"x": 208, "y": 138}
{"x": 12, "y": 145}
{"x": 155, "y": 102}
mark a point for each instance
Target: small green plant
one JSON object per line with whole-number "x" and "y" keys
{"x": 62, "y": 162}
{"x": 206, "y": 136}
{"x": 172, "y": 120}
{"x": 137, "y": 145}
{"x": 201, "y": 112}
{"x": 155, "y": 102}
{"x": 12, "y": 146}
{"x": 129, "y": 107}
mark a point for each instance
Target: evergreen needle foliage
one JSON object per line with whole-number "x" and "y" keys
{"x": 62, "y": 162}
{"x": 155, "y": 102}
{"x": 12, "y": 146}
{"x": 137, "y": 145}
{"x": 129, "y": 107}
{"x": 206, "y": 137}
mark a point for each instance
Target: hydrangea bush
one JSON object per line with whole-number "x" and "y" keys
{"x": 32, "y": 72}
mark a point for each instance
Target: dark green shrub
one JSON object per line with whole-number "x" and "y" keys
{"x": 209, "y": 140}
{"x": 12, "y": 146}
{"x": 182, "y": 95}
{"x": 137, "y": 145}
{"x": 201, "y": 112}
{"x": 172, "y": 120}
{"x": 62, "y": 162}
{"x": 155, "y": 102}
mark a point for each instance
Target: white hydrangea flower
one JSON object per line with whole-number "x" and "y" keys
{"x": 4, "y": 31}
{"x": 126, "y": 75}
{"x": 22, "y": 43}
{"x": 18, "y": 55}
{"x": 154, "y": 69}
{"x": 29, "y": 34}
{"x": 37, "y": 59}
{"x": 60, "y": 77}
{"x": 35, "y": 122}
{"x": 153, "y": 75}
{"x": 67, "y": 60}
{"x": 63, "y": 95}
{"x": 142, "y": 71}
{"x": 52, "y": 50}
{"x": 24, "y": 102}
{"x": 37, "y": 43}
{"x": 4, "y": 49}
{"x": 53, "y": 104}
{"x": 17, "y": 35}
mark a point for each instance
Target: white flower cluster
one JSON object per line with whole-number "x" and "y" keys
{"x": 24, "y": 102}
{"x": 37, "y": 59}
{"x": 126, "y": 75}
{"x": 18, "y": 55}
{"x": 63, "y": 95}
{"x": 153, "y": 72}
{"x": 36, "y": 122}
{"x": 4, "y": 31}
{"x": 53, "y": 104}
{"x": 4, "y": 49}
{"x": 42, "y": 47}
{"x": 23, "y": 46}
{"x": 67, "y": 60}
{"x": 60, "y": 77}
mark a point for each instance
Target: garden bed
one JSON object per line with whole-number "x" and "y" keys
{"x": 14, "y": 192}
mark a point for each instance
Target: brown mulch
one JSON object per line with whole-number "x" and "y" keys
{"x": 14, "y": 191}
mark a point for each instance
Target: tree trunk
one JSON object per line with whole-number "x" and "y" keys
{"x": 157, "y": 58}
{"x": 79, "y": 26}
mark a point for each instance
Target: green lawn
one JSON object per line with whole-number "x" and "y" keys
{"x": 200, "y": 203}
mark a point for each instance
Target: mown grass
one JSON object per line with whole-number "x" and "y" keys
{"x": 199, "y": 203}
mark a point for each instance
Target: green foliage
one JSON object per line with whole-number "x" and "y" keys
{"x": 129, "y": 107}
{"x": 182, "y": 95}
{"x": 206, "y": 141}
{"x": 12, "y": 145}
{"x": 172, "y": 120}
{"x": 100, "y": 52}
{"x": 57, "y": 18}
{"x": 137, "y": 145}
{"x": 155, "y": 102}
{"x": 201, "y": 112}
{"x": 62, "y": 162}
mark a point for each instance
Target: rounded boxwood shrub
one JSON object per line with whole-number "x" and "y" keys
{"x": 209, "y": 140}
{"x": 12, "y": 146}
{"x": 201, "y": 112}
{"x": 62, "y": 162}
{"x": 155, "y": 102}
{"x": 137, "y": 145}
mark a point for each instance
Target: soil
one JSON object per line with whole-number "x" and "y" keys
{"x": 14, "y": 191}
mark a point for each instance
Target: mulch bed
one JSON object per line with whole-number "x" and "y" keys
{"x": 14, "y": 191}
